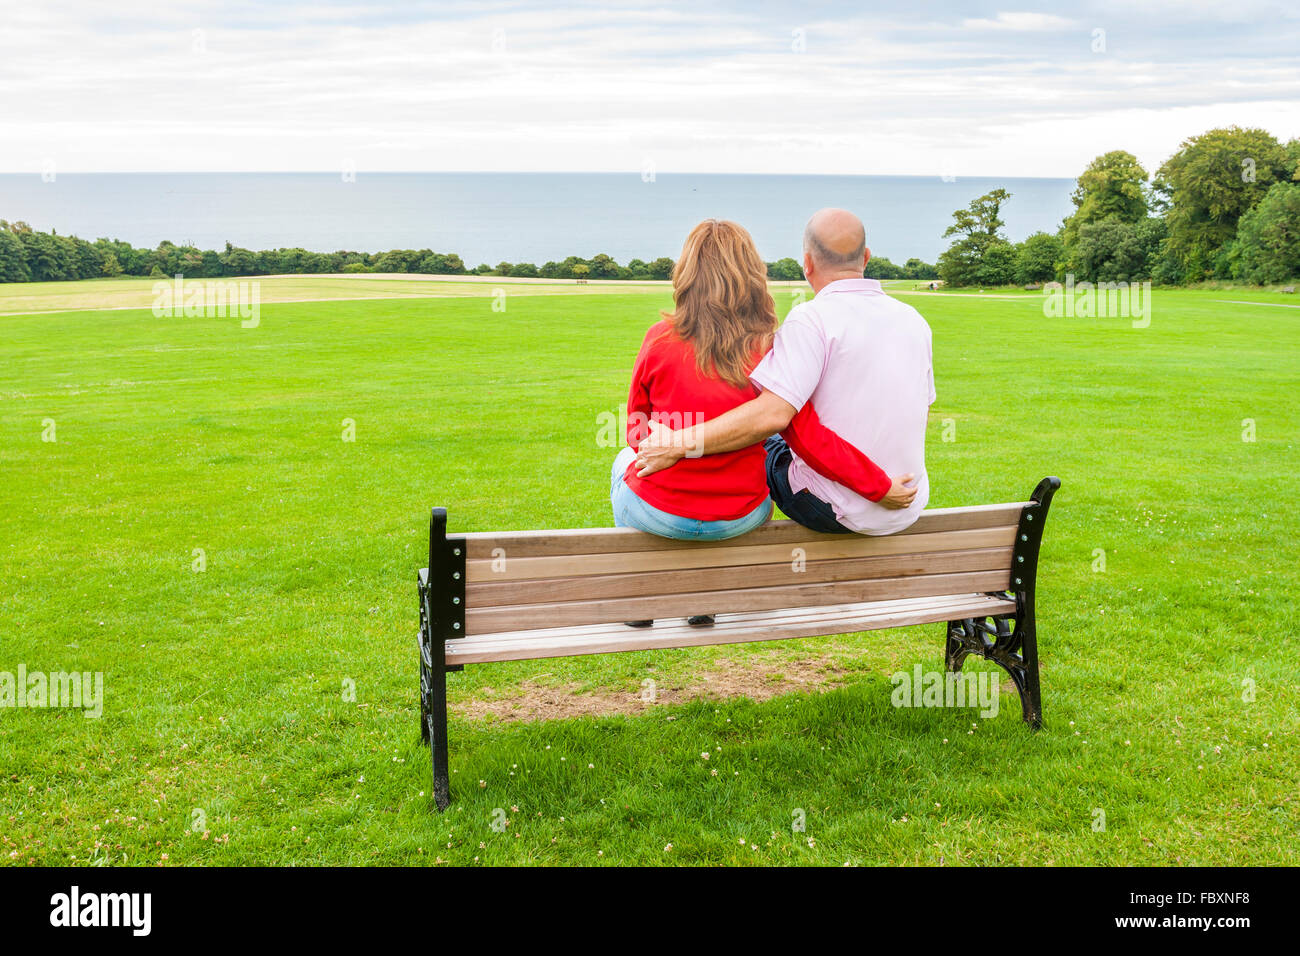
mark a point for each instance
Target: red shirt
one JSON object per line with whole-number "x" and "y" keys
{"x": 834, "y": 458}
{"x": 668, "y": 387}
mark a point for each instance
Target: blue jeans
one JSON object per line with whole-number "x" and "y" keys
{"x": 804, "y": 507}
{"x": 631, "y": 511}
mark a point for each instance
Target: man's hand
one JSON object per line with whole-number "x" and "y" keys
{"x": 900, "y": 493}
{"x": 661, "y": 449}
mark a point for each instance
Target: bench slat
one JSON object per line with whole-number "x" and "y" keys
{"x": 723, "y": 554}
{"x": 740, "y": 628}
{"x": 752, "y": 618}
{"x": 612, "y": 586}
{"x": 573, "y": 613}
{"x": 552, "y": 543}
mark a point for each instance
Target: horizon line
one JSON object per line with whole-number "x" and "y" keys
{"x": 956, "y": 177}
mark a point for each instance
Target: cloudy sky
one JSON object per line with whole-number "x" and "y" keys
{"x": 1002, "y": 88}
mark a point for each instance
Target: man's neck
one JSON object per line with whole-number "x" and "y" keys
{"x": 820, "y": 282}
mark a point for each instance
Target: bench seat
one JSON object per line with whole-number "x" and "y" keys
{"x": 729, "y": 629}
{"x": 496, "y": 596}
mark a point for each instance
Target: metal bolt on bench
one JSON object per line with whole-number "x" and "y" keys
{"x": 522, "y": 595}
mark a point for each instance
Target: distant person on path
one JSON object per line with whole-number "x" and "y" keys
{"x": 849, "y": 372}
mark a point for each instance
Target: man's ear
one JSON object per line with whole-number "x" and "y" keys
{"x": 866, "y": 257}
{"x": 808, "y": 266}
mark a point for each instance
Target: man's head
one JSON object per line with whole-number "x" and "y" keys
{"x": 834, "y": 247}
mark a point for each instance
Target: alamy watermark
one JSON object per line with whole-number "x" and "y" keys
{"x": 922, "y": 688}
{"x": 81, "y": 690}
{"x": 128, "y": 910}
{"x": 1098, "y": 300}
{"x": 209, "y": 298}
{"x": 610, "y": 427}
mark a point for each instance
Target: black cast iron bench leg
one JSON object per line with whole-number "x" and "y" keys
{"x": 442, "y": 618}
{"x": 1010, "y": 640}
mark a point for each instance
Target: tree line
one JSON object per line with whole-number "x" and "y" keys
{"x": 1225, "y": 206}
{"x": 27, "y": 255}
{"x": 878, "y": 267}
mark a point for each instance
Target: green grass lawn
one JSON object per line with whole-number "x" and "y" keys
{"x": 227, "y": 738}
{"x": 130, "y": 292}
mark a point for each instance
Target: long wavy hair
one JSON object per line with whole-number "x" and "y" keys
{"x": 723, "y": 308}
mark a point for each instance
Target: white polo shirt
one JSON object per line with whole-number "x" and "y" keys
{"x": 865, "y": 362}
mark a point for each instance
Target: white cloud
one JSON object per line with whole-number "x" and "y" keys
{"x": 517, "y": 86}
{"x": 1021, "y": 22}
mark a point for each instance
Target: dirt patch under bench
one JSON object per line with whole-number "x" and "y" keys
{"x": 754, "y": 678}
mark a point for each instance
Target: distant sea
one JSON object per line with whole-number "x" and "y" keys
{"x": 515, "y": 217}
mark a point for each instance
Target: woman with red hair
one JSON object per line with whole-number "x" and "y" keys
{"x": 693, "y": 366}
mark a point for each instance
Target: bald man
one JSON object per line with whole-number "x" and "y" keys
{"x": 846, "y": 393}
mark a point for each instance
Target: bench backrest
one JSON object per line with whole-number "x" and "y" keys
{"x": 547, "y": 579}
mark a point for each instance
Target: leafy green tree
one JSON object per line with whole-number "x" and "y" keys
{"x": 1268, "y": 236}
{"x": 603, "y": 267}
{"x": 166, "y": 258}
{"x": 1108, "y": 251}
{"x": 441, "y": 264}
{"x": 1227, "y": 261}
{"x": 132, "y": 260}
{"x": 959, "y": 264}
{"x": 1038, "y": 257}
{"x": 399, "y": 260}
{"x": 1208, "y": 185}
{"x": 87, "y": 259}
{"x": 193, "y": 262}
{"x": 981, "y": 218}
{"x": 48, "y": 259}
{"x": 1153, "y": 233}
{"x": 1114, "y": 251}
{"x": 878, "y": 267}
{"x": 998, "y": 265}
{"x": 238, "y": 262}
{"x": 564, "y": 270}
{"x": 524, "y": 270}
{"x": 13, "y": 257}
{"x": 661, "y": 268}
{"x": 316, "y": 263}
{"x": 1112, "y": 187}
{"x": 785, "y": 270}
{"x": 916, "y": 269}
{"x": 1293, "y": 158}
{"x": 979, "y": 227}
{"x": 581, "y": 271}
{"x": 211, "y": 265}
{"x": 970, "y": 264}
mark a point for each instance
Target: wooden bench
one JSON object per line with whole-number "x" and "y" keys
{"x": 508, "y": 596}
